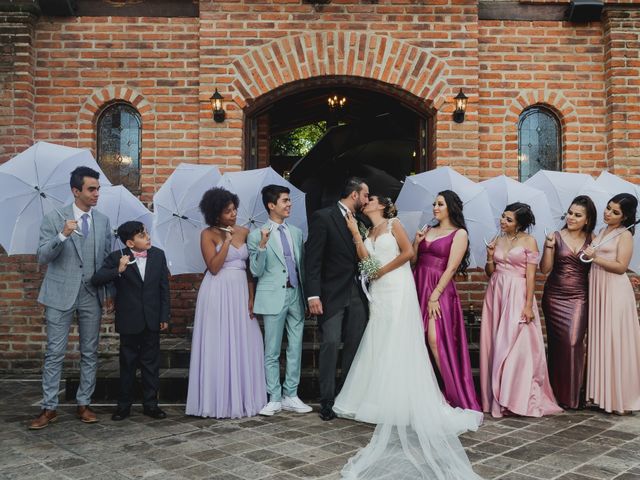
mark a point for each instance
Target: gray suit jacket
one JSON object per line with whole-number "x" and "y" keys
{"x": 64, "y": 259}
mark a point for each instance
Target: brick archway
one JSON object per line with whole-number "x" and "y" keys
{"x": 94, "y": 104}
{"x": 356, "y": 54}
{"x": 556, "y": 102}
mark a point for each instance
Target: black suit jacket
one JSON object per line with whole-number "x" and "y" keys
{"x": 331, "y": 261}
{"x": 138, "y": 303}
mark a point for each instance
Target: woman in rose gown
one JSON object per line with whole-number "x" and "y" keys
{"x": 513, "y": 368}
{"x": 226, "y": 373}
{"x": 391, "y": 382}
{"x": 439, "y": 253}
{"x": 613, "y": 352}
{"x": 565, "y": 301}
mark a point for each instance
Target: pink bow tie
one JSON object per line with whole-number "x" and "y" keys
{"x": 139, "y": 254}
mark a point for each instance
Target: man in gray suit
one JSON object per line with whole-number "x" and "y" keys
{"x": 73, "y": 244}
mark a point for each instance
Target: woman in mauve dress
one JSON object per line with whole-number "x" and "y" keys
{"x": 513, "y": 367}
{"x": 613, "y": 349}
{"x": 439, "y": 253}
{"x": 226, "y": 373}
{"x": 565, "y": 301}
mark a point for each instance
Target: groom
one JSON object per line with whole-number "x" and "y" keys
{"x": 332, "y": 288}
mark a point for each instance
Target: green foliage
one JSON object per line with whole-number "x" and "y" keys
{"x": 298, "y": 142}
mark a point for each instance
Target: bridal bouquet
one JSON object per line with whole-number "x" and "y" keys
{"x": 369, "y": 268}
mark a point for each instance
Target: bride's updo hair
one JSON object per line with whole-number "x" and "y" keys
{"x": 390, "y": 210}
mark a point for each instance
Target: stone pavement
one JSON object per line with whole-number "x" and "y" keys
{"x": 572, "y": 446}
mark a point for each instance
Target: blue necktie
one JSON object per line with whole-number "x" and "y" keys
{"x": 288, "y": 258}
{"x": 85, "y": 225}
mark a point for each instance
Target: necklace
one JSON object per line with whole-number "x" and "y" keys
{"x": 515, "y": 237}
{"x": 378, "y": 224}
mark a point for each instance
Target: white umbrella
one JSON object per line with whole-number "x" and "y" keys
{"x": 248, "y": 185}
{"x": 503, "y": 191}
{"x": 419, "y": 192}
{"x": 120, "y": 205}
{"x": 177, "y": 220}
{"x": 613, "y": 186}
{"x": 562, "y": 187}
{"x": 32, "y": 184}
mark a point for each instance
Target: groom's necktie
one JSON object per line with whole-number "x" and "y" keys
{"x": 288, "y": 258}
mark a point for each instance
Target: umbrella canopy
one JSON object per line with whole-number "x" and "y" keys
{"x": 613, "y": 185}
{"x": 562, "y": 187}
{"x": 32, "y": 184}
{"x": 177, "y": 220}
{"x": 503, "y": 190}
{"x": 248, "y": 185}
{"x": 120, "y": 205}
{"x": 420, "y": 191}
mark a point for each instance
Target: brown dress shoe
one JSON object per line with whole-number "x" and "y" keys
{"x": 85, "y": 414}
{"x": 44, "y": 419}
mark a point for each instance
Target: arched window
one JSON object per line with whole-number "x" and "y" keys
{"x": 119, "y": 144}
{"x": 539, "y": 144}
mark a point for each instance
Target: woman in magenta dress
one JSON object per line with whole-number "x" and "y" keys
{"x": 439, "y": 253}
{"x": 613, "y": 381}
{"x": 513, "y": 368}
{"x": 565, "y": 302}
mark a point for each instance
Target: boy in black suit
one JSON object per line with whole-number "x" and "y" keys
{"x": 141, "y": 278}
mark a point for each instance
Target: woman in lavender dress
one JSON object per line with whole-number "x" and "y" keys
{"x": 439, "y": 253}
{"x": 226, "y": 375}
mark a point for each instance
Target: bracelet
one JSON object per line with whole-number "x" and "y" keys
{"x": 357, "y": 241}
{"x": 551, "y": 247}
{"x": 489, "y": 261}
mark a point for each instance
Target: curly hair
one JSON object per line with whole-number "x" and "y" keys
{"x": 628, "y": 204}
{"x": 214, "y": 201}
{"x": 524, "y": 215}
{"x": 390, "y": 210}
{"x": 455, "y": 206}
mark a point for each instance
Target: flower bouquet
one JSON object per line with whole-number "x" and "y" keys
{"x": 369, "y": 268}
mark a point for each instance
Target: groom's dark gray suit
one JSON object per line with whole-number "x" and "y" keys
{"x": 331, "y": 274}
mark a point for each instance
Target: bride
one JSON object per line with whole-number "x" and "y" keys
{"x": 391, "y": 381}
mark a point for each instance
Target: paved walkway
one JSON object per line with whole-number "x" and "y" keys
{"x": 573, "y": 446}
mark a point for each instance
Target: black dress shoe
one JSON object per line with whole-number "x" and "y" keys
{"x": 327, "y": 413}
{"x": 120, "y": 414}
{"x": 154, "y": 412}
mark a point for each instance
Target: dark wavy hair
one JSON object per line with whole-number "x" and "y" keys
{"x": 455, "y": 206}
{"x": 77, "y": 176}
{"x": 629, "y": 205}
{"x": 390, "y": 210}
{"x": 592, "y": 213}
{"x": 214, "y": 201}
{"x": 524, "y": 216}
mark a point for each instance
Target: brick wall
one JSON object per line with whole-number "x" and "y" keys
{"x": 57, "y": 74}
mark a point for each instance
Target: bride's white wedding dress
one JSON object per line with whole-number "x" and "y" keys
{"x": 391, "y": 383}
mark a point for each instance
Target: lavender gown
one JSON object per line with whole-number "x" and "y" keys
{"x": 455, "y": 367}
{"x": 226, "y": 375}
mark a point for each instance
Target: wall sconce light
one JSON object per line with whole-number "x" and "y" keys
{"x": 461, "y": 107}
{"x": 216, "y": 107}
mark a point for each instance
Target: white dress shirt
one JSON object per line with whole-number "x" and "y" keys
{"x": 142, "y": 265}
{"x": 77, "y": 216}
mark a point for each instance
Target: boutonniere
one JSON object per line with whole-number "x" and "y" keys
{"x": 364, "y": 231}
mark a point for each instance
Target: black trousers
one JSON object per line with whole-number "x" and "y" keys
{"x": 143, "y": 350}
{"x": 346, "y": 326}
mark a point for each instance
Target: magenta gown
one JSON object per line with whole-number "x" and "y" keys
{"x": 455, "y": 367}
{"x": 513, "y": 367}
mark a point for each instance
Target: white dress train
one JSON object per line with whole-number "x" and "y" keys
{"x": 391, "y": 383}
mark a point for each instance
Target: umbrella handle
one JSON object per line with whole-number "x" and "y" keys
{"x": 584, "y": 259}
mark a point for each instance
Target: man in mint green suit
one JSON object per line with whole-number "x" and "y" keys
{"x": 276, "y": 260}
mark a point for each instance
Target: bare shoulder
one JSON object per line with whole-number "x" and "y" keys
{"x": 242, "y": 231}
{"x": 530, "y": 242}
{"x": 461, "y": 234}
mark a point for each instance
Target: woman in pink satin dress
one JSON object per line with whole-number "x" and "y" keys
{"x": 439, "y": 253}
{"x": 513, "y": 368}
{"x": 613, "y": 351}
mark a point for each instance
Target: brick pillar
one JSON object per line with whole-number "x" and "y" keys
{"x": 17, "y": 63}
{"x": 622, "y": 63}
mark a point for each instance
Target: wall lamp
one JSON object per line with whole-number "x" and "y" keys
{"x": 461, "y": 107}
{"x": 216, "y": 107}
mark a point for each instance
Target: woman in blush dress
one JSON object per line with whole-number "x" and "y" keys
{"x": 226, "y": 374}
{"x": 565, "y": 301}
{"x": 440, "y": 253}
{"x": 513, "y": 368}
{"x": 613, "y": 352}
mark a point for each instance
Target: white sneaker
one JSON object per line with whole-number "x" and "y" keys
{"x": 294, "y": 404}
{"x": 270, "y": 409}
